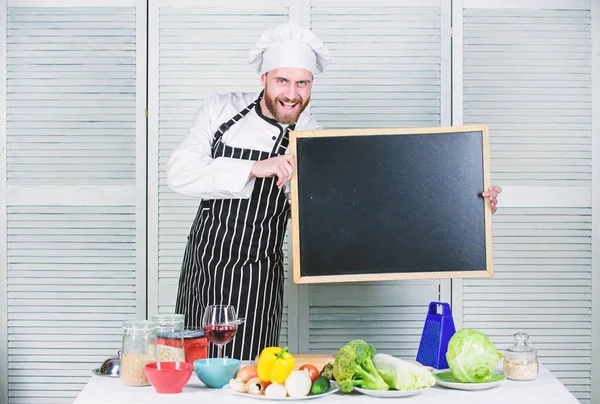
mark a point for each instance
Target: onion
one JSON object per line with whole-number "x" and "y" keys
{"x": 275, "y": 390}
{"x": 246, "y": 373}
{"x": 298, "y": 383}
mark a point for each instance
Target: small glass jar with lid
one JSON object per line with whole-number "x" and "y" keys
{"x": 169, "y": 337}
{"x": 521, "y": 362}
{"x": 138, "y": 349}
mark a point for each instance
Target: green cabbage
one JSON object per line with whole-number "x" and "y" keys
{"x": 472, "y": 357}
{"x": 402, "y": 375}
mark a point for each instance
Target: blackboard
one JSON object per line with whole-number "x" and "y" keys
{"x": 384, "y": 204}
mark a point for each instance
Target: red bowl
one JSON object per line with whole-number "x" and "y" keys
{"x": 168, "y": 377}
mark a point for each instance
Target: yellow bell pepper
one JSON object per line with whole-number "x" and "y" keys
{"x": 275, "y": 364}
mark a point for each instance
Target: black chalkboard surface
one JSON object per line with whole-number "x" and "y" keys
{"x": 382, "y": 204}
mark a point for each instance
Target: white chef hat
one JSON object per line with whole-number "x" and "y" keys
{"x": 289, "y": 45}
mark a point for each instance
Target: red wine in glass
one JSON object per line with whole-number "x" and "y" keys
{"x": 220, "y": 334}
{"x": 219, "y": 323}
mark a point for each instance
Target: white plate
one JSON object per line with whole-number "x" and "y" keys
{"x": 497, "y": 379}
{"x": 334, "y": 388}
{"x": 390, "y": 393}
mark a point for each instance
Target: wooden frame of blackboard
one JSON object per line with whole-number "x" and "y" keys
{"x": 296, "y": 264}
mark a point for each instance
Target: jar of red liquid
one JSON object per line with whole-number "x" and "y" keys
{"x": 195, "y": 345}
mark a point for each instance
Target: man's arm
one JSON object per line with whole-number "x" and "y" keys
{"x": 192, "y": 171}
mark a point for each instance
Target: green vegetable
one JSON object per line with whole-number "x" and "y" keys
{"x": 353, "y": 366}
{"x": 472, "y": 357}
{"x": 327, "y": 371}
{"x": 402, "y": 375}
{"x": 320, "y": 386}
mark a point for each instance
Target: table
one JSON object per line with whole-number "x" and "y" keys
{"x": 545, "y": 389}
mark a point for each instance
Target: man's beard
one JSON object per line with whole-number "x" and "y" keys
{"x": 275, "y": 108}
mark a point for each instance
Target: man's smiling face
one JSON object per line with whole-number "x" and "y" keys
{"x": 287, "y": 93}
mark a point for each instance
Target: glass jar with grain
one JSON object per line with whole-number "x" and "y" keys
{"x": 169, "y": 337}
{"x": 521, "y": 362}
{"x": 138, "y": 349}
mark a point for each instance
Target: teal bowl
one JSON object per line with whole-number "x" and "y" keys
{"x": 216, "y": 372}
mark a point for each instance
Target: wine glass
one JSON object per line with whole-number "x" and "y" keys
{"x": 220, "y": 325}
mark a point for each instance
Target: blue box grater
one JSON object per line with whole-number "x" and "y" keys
{"x": 437, "y": 331}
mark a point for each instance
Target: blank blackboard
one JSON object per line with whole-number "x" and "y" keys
{"x": 382, "y": 204}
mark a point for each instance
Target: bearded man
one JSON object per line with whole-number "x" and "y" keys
{"x": 234, "y": 159}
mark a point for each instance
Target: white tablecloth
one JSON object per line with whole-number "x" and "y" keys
{"x": 545, "y": 389}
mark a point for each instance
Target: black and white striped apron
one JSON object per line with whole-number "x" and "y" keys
{"x": 234, "y": 254}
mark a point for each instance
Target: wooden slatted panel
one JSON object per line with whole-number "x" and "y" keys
{"x": 385, "y": 72}
{"x": 71, "y": 132}
{"x": 527, "y": 73}
{"x": 71, "y": 95}
{"x": 71, "y": 284}
{"x": 390, "y": 316}
{"x": 202, "y": 51}
{"x": 386, "y": 64}
{"x": 541, "y": 286}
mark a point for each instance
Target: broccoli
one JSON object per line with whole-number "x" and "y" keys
{"x": 353, "y": 366}
{"x": 327, "y": 371}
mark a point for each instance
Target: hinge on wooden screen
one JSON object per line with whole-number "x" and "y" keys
{"x": 146, "y": 113}
{"x": 451, "y": 32}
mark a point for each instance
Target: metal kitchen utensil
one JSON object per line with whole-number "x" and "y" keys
{"x": 110, "y": 367}
{"x": 237, "y": 321}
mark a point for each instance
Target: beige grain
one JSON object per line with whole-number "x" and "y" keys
{"x": 132, "y": 369}
{"x": 521, "y": 370}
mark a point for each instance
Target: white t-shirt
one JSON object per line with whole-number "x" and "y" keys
{"x": 192, "y": 171}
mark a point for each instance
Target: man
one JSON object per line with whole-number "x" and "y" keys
{"x": 234, "y": 159}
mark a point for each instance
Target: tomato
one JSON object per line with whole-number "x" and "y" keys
{"x": 313, "y": 372}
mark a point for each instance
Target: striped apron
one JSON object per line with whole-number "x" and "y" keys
{"x": 234, "y": 255}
